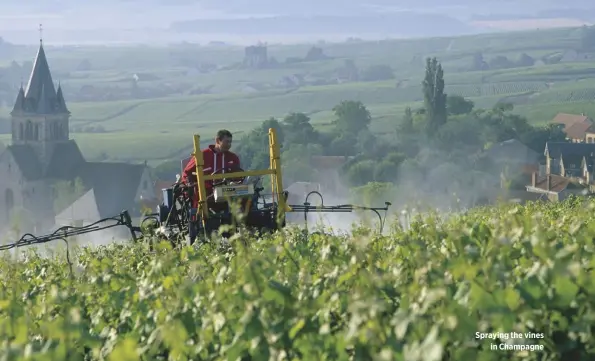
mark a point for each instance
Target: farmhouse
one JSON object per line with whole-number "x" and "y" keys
{"x": 578, "y": 128}
{"x": 41, "y": 155}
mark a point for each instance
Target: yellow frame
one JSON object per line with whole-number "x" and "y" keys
{"x": 274, "y": 171}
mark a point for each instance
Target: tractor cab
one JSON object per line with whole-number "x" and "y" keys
{"x": 260, "y": 212}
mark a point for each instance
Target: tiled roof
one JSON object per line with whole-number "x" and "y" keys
{"x": 578, "y": 130}
{"x": 557, "y": 183}
{"x": 569, "y": 119}
{"x": 114, "y": 185}
{"x": 529, "y": 168}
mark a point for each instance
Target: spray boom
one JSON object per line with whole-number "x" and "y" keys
{"x": 178, "y": 215}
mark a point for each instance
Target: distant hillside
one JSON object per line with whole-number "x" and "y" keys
{"x": 586, "y": 14}
{"x": 404, "y": 24}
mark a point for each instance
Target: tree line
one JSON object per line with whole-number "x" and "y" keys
{"x": 444, "y": 138}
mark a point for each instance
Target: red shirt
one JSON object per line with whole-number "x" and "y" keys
{"x": 214, "y": 162}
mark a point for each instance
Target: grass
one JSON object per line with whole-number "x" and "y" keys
{"x": 431, "y": 292}
{"x": 546, "y": 112}
{"x": 138, "y": 124}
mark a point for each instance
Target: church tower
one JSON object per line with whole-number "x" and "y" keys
{"x": 40, "y": 117}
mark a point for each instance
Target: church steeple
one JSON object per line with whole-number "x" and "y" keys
{"x": 40, "y": 91}
{"x": 40, "y": 117}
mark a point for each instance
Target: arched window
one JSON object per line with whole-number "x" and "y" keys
{"x": 36, "y": 132}
{"x": 21, "y": 132}
{"x": 29, "y": 130}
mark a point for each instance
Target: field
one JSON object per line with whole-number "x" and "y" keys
{"x": 179, "y": 99}
{"x": 421, "y": 293}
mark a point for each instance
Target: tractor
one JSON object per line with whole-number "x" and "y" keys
{"x": 235, "y": 192}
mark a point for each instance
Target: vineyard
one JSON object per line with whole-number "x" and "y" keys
{"x": 566, "y": 95}
{"x": 420, "y": 294}
{"x": 483, "y": 90}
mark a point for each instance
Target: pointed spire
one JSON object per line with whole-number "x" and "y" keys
{"x": 60, "y": 101}
{"x": 41, "y": 78}
{"x": 19, "y": 104}
{"x": 40, "y": 95}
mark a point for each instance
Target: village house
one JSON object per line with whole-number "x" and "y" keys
{"x": 572, "y": 160}
{"x": 578, "y": 128}
{"x": 41, "y": 155}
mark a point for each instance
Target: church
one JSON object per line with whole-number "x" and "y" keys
{"x": 42, "y": 155}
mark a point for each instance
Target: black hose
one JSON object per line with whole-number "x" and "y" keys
{"x": 68, "y": 231}
{"x": 342, "y": 208}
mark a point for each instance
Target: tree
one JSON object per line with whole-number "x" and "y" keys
{"x": 352, "y": 116}
{"x": 253, "y": 148}
{"x": 296, "y": 162}
{"x": 479, "y": 63}
{"x": 298, "y": 130}
{"x": 366, "y": 142}
{"x": 501, "y": 108}
{"x": 457, "y": 105}
{"x": 268, "y": 124}
{"x": 343, "y": 145}
{"x": 537, "y": 137}
{"x": 457, "y": 133}
{"x": 378, "y": 73}
{"x": 361, "y": 172}
{"x": 386, "y": 170}
{"x": 525, "y": 60}
{"x": 349, "y": 70}
{"x": 407, "y": 122}
{"x": 315, "y": 53}
{"x": 501, "y": 62}
{"x": 434, "y": 96}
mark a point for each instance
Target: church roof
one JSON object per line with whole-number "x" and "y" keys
{"x": 65, "y": 161}
{"x": 114, "y": 185}
{"x": 64, "y": 164}
{"x": 40, "y": 96}
{"x": 27, "y": 161}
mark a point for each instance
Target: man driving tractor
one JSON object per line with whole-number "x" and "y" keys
{"x": 217, "y": 159}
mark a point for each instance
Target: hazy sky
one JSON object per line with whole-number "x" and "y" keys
{"x": 67, "y": 21}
